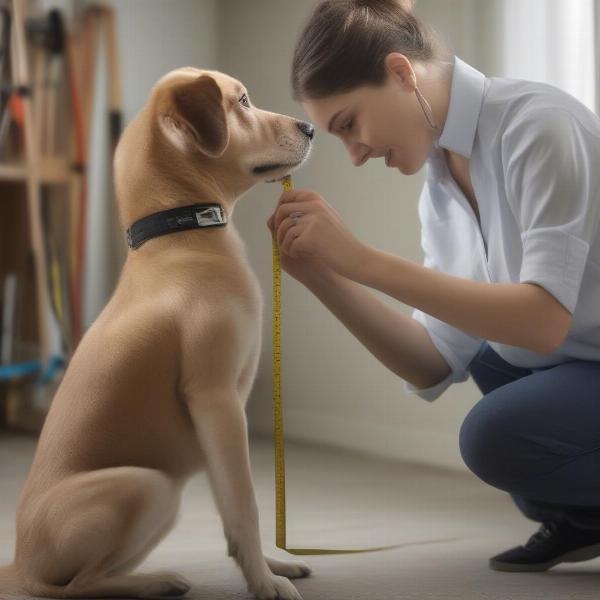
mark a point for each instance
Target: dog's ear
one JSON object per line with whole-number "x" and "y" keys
{"x": 198, "y": 116}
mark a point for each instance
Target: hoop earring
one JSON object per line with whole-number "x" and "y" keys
{"x": 428, "y": 113}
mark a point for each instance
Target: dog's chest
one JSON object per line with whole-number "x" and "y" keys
{"x": 245, "y": 290}
{"x": 250, "y": 315}
{"x": 233, "y": 294}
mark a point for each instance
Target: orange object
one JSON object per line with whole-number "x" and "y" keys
{"x": 17, "y": 109}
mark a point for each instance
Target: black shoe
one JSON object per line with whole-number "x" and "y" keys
{"x": 555, "y": 542}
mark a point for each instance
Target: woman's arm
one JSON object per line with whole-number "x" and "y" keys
{"x": 398, "y": 341}
{"x": 519, "y": 314}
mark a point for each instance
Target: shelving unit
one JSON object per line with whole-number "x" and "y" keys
{"x": 52, "y": 170}
{"x": 47, "y": 77}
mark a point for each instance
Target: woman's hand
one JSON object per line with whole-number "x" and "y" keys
{"x": 319, "y": 239}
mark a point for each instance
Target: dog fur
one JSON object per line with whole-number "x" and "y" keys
{"x": 157, "y": 388}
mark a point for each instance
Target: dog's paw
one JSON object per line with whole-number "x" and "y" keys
{"x": 273, "y": 587}
{"x": 288, "y": 568}
{"x": 167, "y": 585}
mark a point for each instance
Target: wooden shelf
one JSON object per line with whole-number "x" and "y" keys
{"x": 53, "y": 170}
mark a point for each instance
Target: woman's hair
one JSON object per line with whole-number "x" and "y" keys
{"x": 345, "y": 42}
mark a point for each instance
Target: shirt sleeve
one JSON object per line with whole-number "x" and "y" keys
{"x": 551, "y": 161}
{"x": 457, "y": 347}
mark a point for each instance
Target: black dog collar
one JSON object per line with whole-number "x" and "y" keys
{"x": 175, "y": 219}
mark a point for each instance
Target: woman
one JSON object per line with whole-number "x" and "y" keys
{"x": 510, "y": 288}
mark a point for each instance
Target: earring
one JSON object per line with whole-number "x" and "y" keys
{"x": 428, "y": 113}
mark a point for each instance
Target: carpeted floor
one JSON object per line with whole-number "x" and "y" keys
{"x": 450, "y": 523}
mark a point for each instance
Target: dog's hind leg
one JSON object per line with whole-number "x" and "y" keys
{"x": 157, "y": 586}
{"x": 94, "y": 526}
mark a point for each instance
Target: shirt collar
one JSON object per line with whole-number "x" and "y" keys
{"x": 466, "y": 99}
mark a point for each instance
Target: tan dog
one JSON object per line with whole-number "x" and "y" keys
{"x": 157, "y": 388}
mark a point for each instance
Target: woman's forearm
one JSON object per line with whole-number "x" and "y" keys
{"x": 395, "y": 339}
{"x": 519, "y": 314}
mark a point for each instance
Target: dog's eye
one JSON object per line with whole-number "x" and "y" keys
{"x": 244, "y": 100}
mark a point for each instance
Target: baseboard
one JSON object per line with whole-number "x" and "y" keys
{"x": 375, "y": 439}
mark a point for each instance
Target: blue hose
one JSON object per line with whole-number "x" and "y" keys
{"x": 8, "y": 372}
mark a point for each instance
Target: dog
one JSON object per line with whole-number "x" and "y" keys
{"x": 156, "y": 389}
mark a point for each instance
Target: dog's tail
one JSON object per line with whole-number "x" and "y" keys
{"x": 10, "y": 584}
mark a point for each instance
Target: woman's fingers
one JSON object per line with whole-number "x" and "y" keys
{"x": 284, "y": 225}
{"x": 284, "y": 210}
{"x": 288, "y": 237}
{"x": 283, "y": 228}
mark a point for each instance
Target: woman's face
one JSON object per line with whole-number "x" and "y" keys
{"x": 372, "y": 121}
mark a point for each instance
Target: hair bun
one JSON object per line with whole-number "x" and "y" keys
{"x": 407, "y": 5}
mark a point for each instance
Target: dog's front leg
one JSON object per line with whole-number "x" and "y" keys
{"x": 221, "y": 426}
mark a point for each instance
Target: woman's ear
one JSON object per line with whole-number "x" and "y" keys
{"x": 198, "y": 117}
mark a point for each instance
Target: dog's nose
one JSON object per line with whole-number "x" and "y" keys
{"x": 306, "y": 128}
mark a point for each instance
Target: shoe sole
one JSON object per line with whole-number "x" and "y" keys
{"x": 581, "y": 554}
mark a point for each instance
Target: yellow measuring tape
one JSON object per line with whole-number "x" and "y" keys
{"x": 280, "y": 520}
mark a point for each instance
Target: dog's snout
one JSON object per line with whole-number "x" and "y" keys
{"x": 307, "y": 129}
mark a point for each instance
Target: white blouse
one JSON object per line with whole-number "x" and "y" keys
{"x": 534, "y": 155}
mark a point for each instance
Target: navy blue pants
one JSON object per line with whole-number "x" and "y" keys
{"x": 536, "y": 435}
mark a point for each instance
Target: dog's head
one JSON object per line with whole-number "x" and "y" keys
{"x": 205, "y": 122}
{"x": 210, "y": 114}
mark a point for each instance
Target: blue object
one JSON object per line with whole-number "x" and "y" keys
{"x": 53, "y": 366}
{"x": 14, "y": 371}
{"x": 534, "y": 434}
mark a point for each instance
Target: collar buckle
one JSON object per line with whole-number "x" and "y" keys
{"x": 210, "y": 215}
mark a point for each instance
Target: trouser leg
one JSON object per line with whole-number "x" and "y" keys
{"x": 536, "y": 435}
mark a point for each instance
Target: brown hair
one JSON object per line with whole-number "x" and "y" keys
{"x": 345, "y": 42}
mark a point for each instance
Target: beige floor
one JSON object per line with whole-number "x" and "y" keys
{"x": 343, "y": 500}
